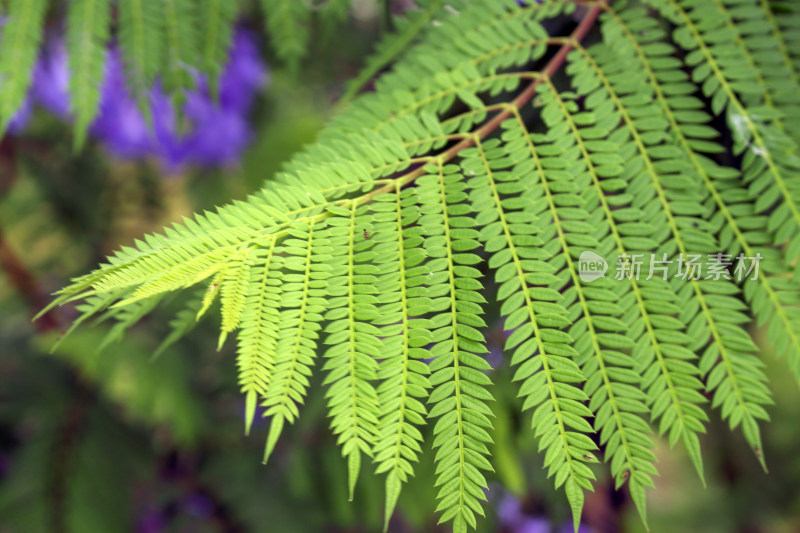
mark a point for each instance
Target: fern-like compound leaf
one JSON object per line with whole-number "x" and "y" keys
{"x": 709, "y": 314}
{"x": 458, "y": 400}
{"x": 403, "y": 372}
{"x": 499, "y": 150}
{"x": 408, "y": 28}
{"x": 354, "y": 345}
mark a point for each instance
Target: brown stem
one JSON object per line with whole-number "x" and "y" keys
{"x": 522, "y": 98}
{"x": 19, "y": 276}
{"x": 26, "y": 285}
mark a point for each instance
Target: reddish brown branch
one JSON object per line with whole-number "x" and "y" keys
{"x": 26, "y": 285}
{"x": 552, "y": 66}
{"x": 19, "y": 276}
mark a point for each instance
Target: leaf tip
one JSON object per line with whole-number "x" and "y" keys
{"x": 249, "y": 411}
{"x": 222, "y": 336}
{"x": 353, "y": 467}
{"x": 761, "y": 460}
{"x": 275, "y": 428}
{"x": 393, "y": 487}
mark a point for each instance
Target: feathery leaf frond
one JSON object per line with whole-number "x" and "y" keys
{"x": 181, "y": 47}
{"x": 408, "y": 28}
{"x": 584, "y": 182}
{"x": 287, "y": 22}
{"x": 216, "y": 27}
{"x": 141, "y": 42}
{"x": 20, "y": 37}
{"x": 88, "y": 25}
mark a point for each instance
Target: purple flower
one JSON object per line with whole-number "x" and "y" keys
{"x": 568, "y": 528}
{"x": 20, "y": 120}
{"x": 513, "y": 518}
{"x": 533, "y": 525}
{"x": 51, "y": 79}
{"x": 244, "y": 74}
{"x": 509, "y": 511}
{"x": 152, "y": 521}
{"x": 198, "y": 505}
{"x": 213, "y": 123}
{"x": 216, "y": 131}
{"x": 120, "y": 124}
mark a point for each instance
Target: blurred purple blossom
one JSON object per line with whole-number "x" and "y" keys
{"x": 51, "y": 78}
{"x": 509, "y": 510}
{"x": 514, "y": 519}
{"x": 20, "y": 120}
{"x": 533, "y": 525}
{"x": 215, "y": 131}
{"x": 568, "y": 528}
{"x": 152, "y": 521}
{"x": 198, "y": 505}
{"x": 495, "y": 356}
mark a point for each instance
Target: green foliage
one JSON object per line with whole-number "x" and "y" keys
{"x": 473, "y": 156}
{"x": 181, "y": 46}
{"x": 141, "y": 42}
{"x": 166, "y": 40}
{"x": 408, "y": 28}
{"x": 217, "y": 29}
{"x": 287, "y": 22}
{"x": 87, "y": 34}
{"x": 19, "y": 44}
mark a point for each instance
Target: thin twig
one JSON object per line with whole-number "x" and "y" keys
{"x": 521, "y": 100}
{"x": 18, "y": 274}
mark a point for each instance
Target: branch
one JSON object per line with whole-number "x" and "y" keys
{"x": 552, "y": 66}
{"x": 19, "y": 276}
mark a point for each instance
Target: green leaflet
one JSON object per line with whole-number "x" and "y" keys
{"x": 470, "y": 162}
{"x": 354, "y": 346}
{"x": 19, "y": 44}
{"x": 217, "y": 30}
{"x": 141, "y": 41}
{"x": 87, "y": 37}
{"x": 180, "y": 46}
{"x": 288, "y": 22}
{"x": 294, "y": 330}
{"x": 459, "y": 396}
{"x": 404, "y": 376}
{"x": 390, "y": 47}
{"x": 740, "y": 384}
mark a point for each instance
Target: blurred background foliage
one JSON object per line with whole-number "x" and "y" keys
{"x": 117, "y": 440}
